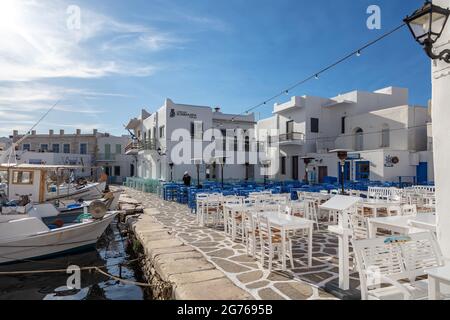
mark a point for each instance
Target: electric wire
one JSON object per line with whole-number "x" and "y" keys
{"x": 317, "y": 74}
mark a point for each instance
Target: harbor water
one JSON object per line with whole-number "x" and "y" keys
{"x": 111, "y": 253}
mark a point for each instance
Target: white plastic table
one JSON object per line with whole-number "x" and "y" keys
{"x": 341, "y": 205}
{"x": 402, "y": 224}
{"x": 286, "y": 223}
{"x": 436, "y": 277}
{"x": 375, "y": 204}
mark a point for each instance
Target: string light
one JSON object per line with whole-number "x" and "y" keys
{"x": 329, "y": 67}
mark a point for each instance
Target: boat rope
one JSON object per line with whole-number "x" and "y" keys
{"x": 93, "y": 268}
{"x": 140, "y": 284}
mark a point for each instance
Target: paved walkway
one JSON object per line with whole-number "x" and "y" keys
{"x": 301, "y": 283}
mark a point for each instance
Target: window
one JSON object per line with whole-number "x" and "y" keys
{"x": 247, "y": 144}
{"x": 314, "y": 125}
{"x": 26, "y": 147}
{"x": 22, "y": 177}
{"x": 290, "y": 130}
{"x": 66, "y": 148}
{"x": 343, "y": 125}
{"x": 107, "y": 151}
{"x": 118, "y": 149}
{"x": 117, "y": 171}
{"x": 283, "y": 165}
{"x": 44, "y": 147}
{"x": 359, "y": 139}
{"x": 385, "y": 136}
{"x": 197, "y": 130}
{"x": 224, "y": 139}
{"x": 162, "y": 131}
{"x": 83, "y": 148}
{"x": 55, "y": 148}
{"x": 235, "y": 143}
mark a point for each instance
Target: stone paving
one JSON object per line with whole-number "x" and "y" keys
{"x": 300, "y": 283}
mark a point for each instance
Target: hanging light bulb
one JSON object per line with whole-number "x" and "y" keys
{"x": 287, "y": 92}
{"x": 316, "y": 77}
{"x": 358, "y": 53}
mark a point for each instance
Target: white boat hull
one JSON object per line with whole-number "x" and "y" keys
{"x": 49, "y": 243}
{"x": 88, "y": 192}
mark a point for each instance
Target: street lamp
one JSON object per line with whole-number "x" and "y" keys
{"x": 426, "y": 25}
{"x": 307, "y": 161}
{"x": 197, "y": 163}
{"x": 342, "y": 154}
{"x": 265, "y": 164}
{"x": 171, "y": 164}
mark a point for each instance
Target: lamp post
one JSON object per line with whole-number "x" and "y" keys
{"x": 265, "y": 164}
{"x": 426, "y": 25}
{"x": 171, "y": 164}
{"x": 433, "y": 30}
{"x": 342, "y": 154}
{"x": 307, "y": 161}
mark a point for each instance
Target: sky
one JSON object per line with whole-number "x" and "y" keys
{"x": 122, "y": 56}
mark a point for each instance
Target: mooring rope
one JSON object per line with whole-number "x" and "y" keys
{"x": 95, "y": 268}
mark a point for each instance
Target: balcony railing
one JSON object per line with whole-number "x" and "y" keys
{"x": 148, "y": 145}
{"x": 106, "y": 157}
{"x": 132, "y": 148}
{"x": 293, "y": 136}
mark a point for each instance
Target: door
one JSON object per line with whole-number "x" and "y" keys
{"x": 295, "y": 168}
{"x": 323, "y": 172}
{"x": 290, "y": 130}
{"x": 362, "y": 170}
{"x": 422, "y": 173}
{"x": 250, "y": 172}
{"x": 346, "y": 172}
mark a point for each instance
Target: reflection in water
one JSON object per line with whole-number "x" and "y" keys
{"x": 111, "y": 251}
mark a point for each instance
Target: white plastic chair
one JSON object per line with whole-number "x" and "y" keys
{"x": 389, "y": 271}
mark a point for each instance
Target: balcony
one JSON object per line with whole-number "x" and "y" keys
{"x": 106, "y": 157}
{"x": 293, "y": 138}
{"x": 133, "y": 148}
{"x": 148, "y": 145}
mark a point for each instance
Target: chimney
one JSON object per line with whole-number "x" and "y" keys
{"x": 15, "y": 133}
{"x": 78, "y": 132}
{"x": 217, "y": 109}
{"x": 61, "y": 132}
{"x": 94, "y": 132}
{"x": 51, "y": 132}
{"x": 33, "y": 133}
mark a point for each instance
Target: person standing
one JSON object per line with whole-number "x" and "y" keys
{"x": 187, "y": 179}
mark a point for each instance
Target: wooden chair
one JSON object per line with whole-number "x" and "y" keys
{"x": 271, "y": 242}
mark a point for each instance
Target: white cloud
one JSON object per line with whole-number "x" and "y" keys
{"x": 39, "y": 45}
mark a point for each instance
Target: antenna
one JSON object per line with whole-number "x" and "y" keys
{"x": 11, "y": 153}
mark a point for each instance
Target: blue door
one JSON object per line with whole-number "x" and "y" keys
{"x": 346, "y": 172}
{"x": 422, "y": 173}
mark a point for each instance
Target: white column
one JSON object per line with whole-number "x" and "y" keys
{"x": 441, "y": 136}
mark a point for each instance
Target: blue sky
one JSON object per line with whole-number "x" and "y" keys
{"x": 229, "y": 53}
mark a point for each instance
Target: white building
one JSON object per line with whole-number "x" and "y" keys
{"x": 158, "y": 140}
{"x": 389, "y": 137}
{"x": 112, "y": 158}
{"x": 90, "y": 149}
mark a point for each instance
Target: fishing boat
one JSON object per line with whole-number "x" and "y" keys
{"x": 35, "y": 181}
{"x": 40, "y": 232}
